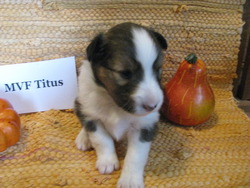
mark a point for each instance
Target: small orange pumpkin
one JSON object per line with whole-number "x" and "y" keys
{"x": 9, "y": 125}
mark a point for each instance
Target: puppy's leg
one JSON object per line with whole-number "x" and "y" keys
{"x": 139, "y": 142}
{"x": 82, "y": 140}
{"x": 102, "y": 142}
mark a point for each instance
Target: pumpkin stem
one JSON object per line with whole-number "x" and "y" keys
{"x": 191, "y": 58}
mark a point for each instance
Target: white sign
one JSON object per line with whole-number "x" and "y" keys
{"x": 39, "y": 86}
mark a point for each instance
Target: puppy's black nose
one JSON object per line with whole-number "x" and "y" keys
{"x": 149, "y": 107}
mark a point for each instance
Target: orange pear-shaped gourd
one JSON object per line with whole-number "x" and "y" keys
{"x": 189, "y": 99}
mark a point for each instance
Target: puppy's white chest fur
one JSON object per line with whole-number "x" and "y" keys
{"x": 98, "y": 103}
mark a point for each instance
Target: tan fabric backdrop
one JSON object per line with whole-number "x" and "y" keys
{"x": 214, "y": 154}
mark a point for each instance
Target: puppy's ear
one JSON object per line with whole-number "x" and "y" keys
{"x": 96, "y": 49}
{"x": 162, "y": 41}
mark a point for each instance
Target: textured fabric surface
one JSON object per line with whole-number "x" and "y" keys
{"x": 214, "y": 154}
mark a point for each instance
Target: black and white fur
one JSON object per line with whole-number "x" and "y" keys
{"x": 120, "y": 95}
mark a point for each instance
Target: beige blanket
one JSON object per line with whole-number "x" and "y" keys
{"x": 214, "y": 154}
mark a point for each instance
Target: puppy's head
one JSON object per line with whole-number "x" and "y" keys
{"x": 127, "y": 62}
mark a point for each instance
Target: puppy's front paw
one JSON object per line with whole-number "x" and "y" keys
{"x": 82, "y": 141}
{"x": 130, "y": 180}
{"x": 107, "y": 164}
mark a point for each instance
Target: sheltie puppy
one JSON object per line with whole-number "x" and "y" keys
{"x": 119, "y": 95}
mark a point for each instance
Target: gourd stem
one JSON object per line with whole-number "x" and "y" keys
{"x": 191, "y": 58}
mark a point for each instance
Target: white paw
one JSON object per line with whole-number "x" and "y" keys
{"x": 82, "y": 141}
{"x": 107, "y": 164}
{"x": 130, "y": 180}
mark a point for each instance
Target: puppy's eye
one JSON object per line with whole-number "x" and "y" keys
{"x": 126, "y": 74}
